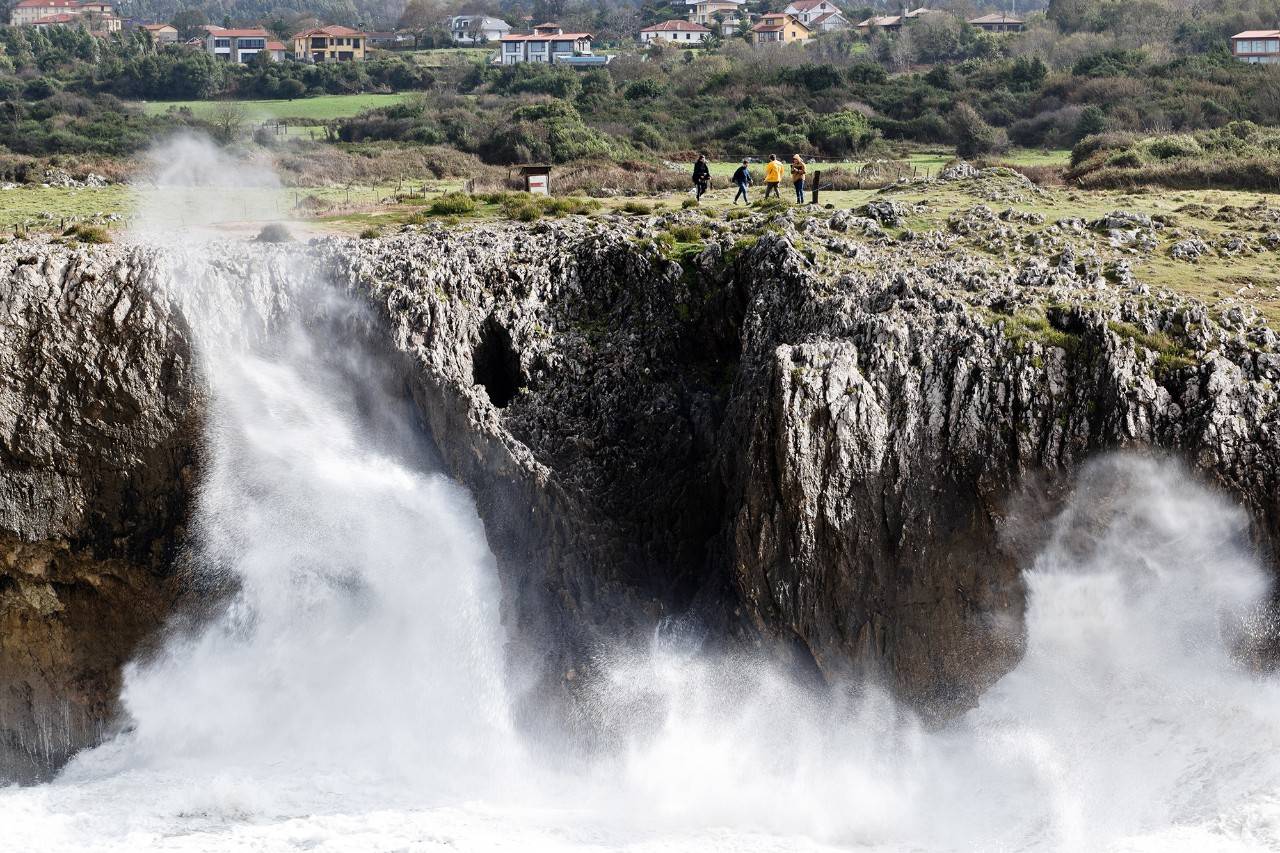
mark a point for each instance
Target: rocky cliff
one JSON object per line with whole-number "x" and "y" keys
{"x": 805, "y": 432}
{"x": 98, "y": 421}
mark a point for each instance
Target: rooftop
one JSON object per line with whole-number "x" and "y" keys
{"x": 1257, "y": 34}
{"x": 676, "y": 26}
{"x": 998, "y": 18}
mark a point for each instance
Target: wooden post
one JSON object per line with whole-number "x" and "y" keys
{"x": 817, "y": 185}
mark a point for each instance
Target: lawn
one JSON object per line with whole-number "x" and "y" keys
{"x": 319, "y": 108}
{"x": 922, "y": 162}
{"x": 444, "y": 57}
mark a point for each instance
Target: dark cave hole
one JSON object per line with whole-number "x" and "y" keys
{"x": 495, "y": 364}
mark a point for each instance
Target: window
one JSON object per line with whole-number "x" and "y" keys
{"x": 1273, "y": 45}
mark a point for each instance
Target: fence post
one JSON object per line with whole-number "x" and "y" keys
{"x": 817, "y": 185}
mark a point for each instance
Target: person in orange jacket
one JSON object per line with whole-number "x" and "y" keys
{"x": 772, "y": 176}
{"x": 797, "y": 177}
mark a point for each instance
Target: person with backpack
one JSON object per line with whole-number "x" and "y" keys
{"x": 797, "y": 177}
{"x": 701, "y": 175}
{"x": 742, "y": 178}
{"x": 772, "y": 176}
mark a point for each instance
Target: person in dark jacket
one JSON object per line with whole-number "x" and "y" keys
{"x": 701, "y": 175}
{"x": 742, "y": 178}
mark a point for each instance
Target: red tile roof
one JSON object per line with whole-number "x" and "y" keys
{"x": 806, "y": 5}
{"x": 548, "y": 37}
{"x": 275, "y": 45}
{"x": 676, "y": 26}
{"x": 250, "y": 33}
{"x": 48, "y": 4}
{"x": 333, "y": 30}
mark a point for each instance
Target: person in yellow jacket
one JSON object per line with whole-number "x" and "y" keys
{"x": 772, "y": 176}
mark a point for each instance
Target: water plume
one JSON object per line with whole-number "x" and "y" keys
{"x": 350, "y": 691}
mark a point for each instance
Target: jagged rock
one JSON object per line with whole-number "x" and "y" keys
{"x": 97, "y": 430}
{"x": 889, "y": 213}
{"x": 1121, "y": 220}
{"x": 1190, "y": 249}
{"x": 847, "y": 464}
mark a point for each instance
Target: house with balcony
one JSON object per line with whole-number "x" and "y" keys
{"x": 999, "y": 23}
{"x": 476, "y": 29}
{"x": 675, "y": 32}
{"x": 820, "y": 16}
{"x": 238, "y": 45}
{"x": 550, "y": 44}
{"x": 330, "y": 44}
{"x": 97, "y": 17}
{"x": 778, "y": 28}
{"x": 1256, "y": 46}
{"x": 724, "y": 15}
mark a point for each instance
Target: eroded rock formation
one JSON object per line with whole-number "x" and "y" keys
{"x": 798, "y": 432}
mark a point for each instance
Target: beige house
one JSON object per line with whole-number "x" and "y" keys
{"x": 330, "y": 44}
{"x": 999, "y": 23}
{"x": 96, "y": 17}
{"x": 725, "y": 14}
{"x": 778, "y": 28}
{"x": 162, "y": 33}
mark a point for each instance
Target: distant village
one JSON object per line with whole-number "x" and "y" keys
{"x": 540, "y": 43}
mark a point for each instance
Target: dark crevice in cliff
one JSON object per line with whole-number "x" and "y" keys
{"x": 496, "y": 364}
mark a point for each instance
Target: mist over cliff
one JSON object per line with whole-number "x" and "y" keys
{"x": 808, "y": 534}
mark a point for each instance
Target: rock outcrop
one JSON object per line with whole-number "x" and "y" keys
{"x": 97, "y": 428}
{"x": 831, "y": 442}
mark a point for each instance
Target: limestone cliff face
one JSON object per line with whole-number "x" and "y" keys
{"x": 96, "y": 437}
{"x": 800, "y": 433}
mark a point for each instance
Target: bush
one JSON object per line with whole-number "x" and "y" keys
{"x": 370, "y": 233}
{"x": 637, "y": 208}
{"x": 274, "y": 232}
{"x": 94, "y": 234}
{"x": 644, "y": 88}
{"x": 688, "y": 203}
{"x": 452, "y": 204}
{"x": 973, "y": 136}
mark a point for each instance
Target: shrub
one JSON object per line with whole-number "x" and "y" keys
{"x": 646, "y": 87}
{"x": 274, "y": 232}
{"x": 688, "y": 203}
{"x": 95, "y": 234}
{"x": 452, "y": 204}
{"x": 370, "y": 233}
{"x": 973, "y": 136}
{"x": 637, "y": 208}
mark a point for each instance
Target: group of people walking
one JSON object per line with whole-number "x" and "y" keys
{"x": 773, "y": 172}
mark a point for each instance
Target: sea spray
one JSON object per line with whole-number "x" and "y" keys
{"x": 349, "y": 691}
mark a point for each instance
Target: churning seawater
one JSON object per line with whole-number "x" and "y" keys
{"x": 350, "y": 691}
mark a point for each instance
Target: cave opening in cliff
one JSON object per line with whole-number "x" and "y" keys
{"x": 495, "y": 363}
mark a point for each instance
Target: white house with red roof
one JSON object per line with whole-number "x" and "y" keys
{"x": 675, "y": 32}
{"x": 818, "y": 15}
{"x": 161, "y": 33}
{"x": 94, "y": 16}
{"x": 1256, "y": 46}
{"x": 547, "y": 43}
{"x": 238, "y": 45}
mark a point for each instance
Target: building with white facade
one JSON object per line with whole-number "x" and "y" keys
{"x": 820, "y": 16}
{"x": 725, "y": 14}
{"x": 476, "y": 29}
{"x": 241, "y": 45}
{"x": 675, "y": 32}
{"x": 547, "y": 43}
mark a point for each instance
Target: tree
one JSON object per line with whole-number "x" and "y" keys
{"x": 1092, "y": 120}
{"x": 972, "y": 133}
{"x": 228, "y": 120}
{"x": 188, "y": 23}
{"x": 421, "y": 17}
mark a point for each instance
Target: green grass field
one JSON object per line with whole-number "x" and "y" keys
{"x": 319, "y": 108}
{"x": 923, "y": 162}
{"x": 446, "y": 56}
